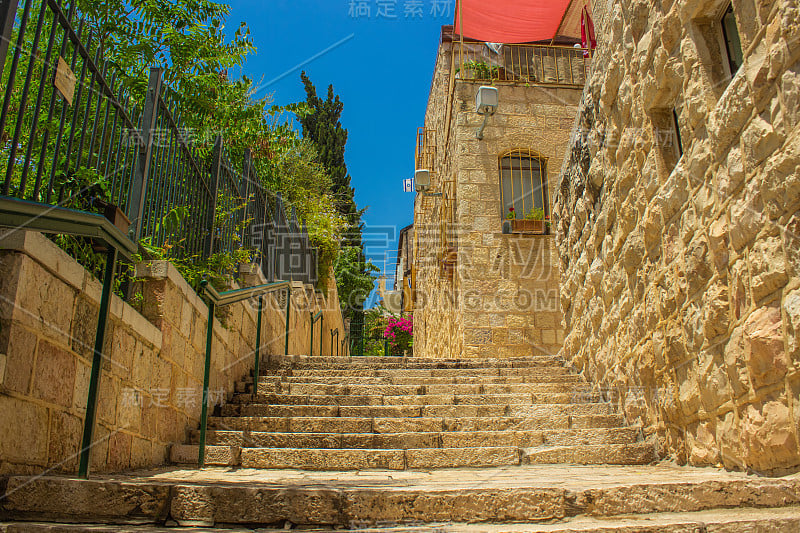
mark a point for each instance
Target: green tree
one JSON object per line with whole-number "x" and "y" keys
{"x": 187, "y": 38}
{"x": 354, "y": 278}
{"x": 323, "y": 127}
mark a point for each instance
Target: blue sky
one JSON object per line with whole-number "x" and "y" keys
{"x": 381, "y": 67}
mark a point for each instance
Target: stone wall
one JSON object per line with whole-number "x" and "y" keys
{"x": 503, "y": 296}
{"x": 681, "y": 287}
{"x": 151, "y": 385}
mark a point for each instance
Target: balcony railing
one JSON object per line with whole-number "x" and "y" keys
{"x": 425, "y": 152}
{"x": 521, "y": 64}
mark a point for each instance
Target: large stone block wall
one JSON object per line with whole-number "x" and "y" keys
{"x": 681, "y": 287}
{"x": 151, "y": 385}
{"x": 438, "y": 325}
{"x": 503, "y": 298}
{"x": 509, "y": 283}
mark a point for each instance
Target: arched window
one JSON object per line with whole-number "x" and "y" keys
{"x": 523, "y": 184}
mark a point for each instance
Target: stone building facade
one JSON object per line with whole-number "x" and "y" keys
{"x": 677, "y": 226}
{"x": 477, "y": 291}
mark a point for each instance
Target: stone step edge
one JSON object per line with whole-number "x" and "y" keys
{"x": 324, "y": 434}
{"x": 742, "y": 519}
{"x": 582, "y": 421}
{"x": 244, "y": 398}
{"x": 638, "y": 453}
{"x": 45, "y": 498}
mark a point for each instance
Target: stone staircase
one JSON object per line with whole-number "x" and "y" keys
{"x": 408, "y": 445}
{"x": 329, "y": 413}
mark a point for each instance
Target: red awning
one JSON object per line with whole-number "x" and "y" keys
{"x": 511, "y": 21}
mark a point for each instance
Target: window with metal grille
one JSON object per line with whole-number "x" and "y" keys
{"x": 730, "y": 36}
{"x": 523, "y": 184}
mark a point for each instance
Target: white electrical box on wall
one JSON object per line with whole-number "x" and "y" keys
{"x": 487, "y": 100}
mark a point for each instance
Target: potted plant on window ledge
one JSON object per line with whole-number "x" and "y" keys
{"x": 532, "y": 223}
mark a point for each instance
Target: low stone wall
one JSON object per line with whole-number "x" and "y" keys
{"x": 151, "y": 385}
{"x": 681, "y": 278}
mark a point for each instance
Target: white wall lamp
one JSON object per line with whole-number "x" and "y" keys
{"x": 422, "y": 182}
{"x": 486, "y": 102}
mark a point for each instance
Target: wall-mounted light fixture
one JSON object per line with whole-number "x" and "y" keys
{"x": 486, "y": 102}
{"x": 422, "y": 182}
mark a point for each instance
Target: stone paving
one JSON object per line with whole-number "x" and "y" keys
{"x": 448, "y": 490}
{"x": 415, "y": 413}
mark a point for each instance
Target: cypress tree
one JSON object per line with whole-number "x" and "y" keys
{"x": 324, "y": 128}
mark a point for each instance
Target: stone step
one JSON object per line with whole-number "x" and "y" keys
{"x": 345, "y": 386}
{"x": 556, "y": 376}
{"x": 412, "y": 411}
{"x": 296, "y": 361}
{"x": 430, "y": 388}
{"x": 415, "y": 399}
{"x": 753, "y": 520}
{"x": 591, "y": 454}
{"x": 462, "y": 364}
{"x": 338, "y": 459}
{"x": 457, "y": 439}
{"x": 567, "y": 497}
{"x": 411, "y": 425}
{"x": 428, "y": 372}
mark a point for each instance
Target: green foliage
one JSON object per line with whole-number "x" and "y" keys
{"x": 187, "y": 38}
{"x": 482, "y": 71}
{"x": 324, "y": 128}
{"x": 305, "y": 184}
{"x": 374, "y": 325}
{"x": 537, "y": 213}
{"x": 354, "y": 278}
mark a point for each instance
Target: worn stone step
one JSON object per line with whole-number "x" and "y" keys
{"x": 215, "y": 455}
{"x": 364, "y": 459}
{"x": 323, "y": 459}
{"x": 554, "y": 376}
{"x": 410, "y": 411}
{"x": 525, "y": 494}
{"x": 746, "y": 519}
{"x": 428, "y": 372}
{"x": 592, "y": 454}
{"x": 461, "y": 364}
{"x": 293, "y": 361}
{"x": 411, "y": 425}
{"x": 409, "y": 399}
{"x": 516, "y": 410}
{"x": 457, "y": 439}
{"x": 308, "y": 399}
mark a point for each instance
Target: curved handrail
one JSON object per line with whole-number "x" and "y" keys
{"x": 224, "y": 298}
{"x": 237, "y": 295}
{"x": 46, "y": 218}
{"x": 335, "y": 333}
{"x": 314, "y": 319}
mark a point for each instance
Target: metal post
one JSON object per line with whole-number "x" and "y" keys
{"x": 8, "y": 12}
{"x": 97, "y": 363}
{"x": 288, "y": 311}
{"x": 142, "y": 175}
{"x": 386, "y": 347}
{"x": 201, "y": 457}
{"x": 216, "y": 167}
{"x": 258, "y": 346}
{"x": 311, "y": 342}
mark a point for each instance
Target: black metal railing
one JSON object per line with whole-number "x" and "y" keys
{"x": 87, "y": 142}
{"x": 74, "y": 142}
